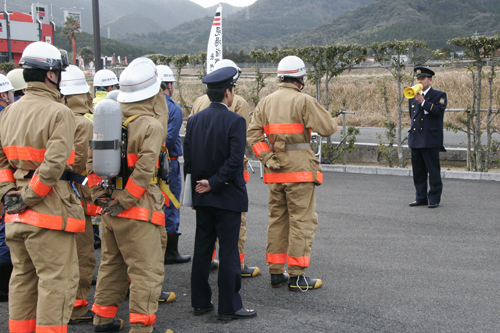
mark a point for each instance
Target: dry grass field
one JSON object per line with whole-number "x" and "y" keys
{"x": 361, "y": 90}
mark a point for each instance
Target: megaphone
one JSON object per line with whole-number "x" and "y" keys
{"x": 411, "y": 92}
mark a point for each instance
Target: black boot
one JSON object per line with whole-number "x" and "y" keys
{"x": 172, "y": 255}
{"x": 277, "y": 280}
{"x": 5, "y": 271}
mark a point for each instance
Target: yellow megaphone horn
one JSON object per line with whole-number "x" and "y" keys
{"x": 411, "y": 92}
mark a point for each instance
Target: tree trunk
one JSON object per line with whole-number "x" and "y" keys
{"x": 400, "y": 126}
{"x": 477, "y": 146}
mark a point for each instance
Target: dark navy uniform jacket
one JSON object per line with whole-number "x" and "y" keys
{"x": 173, "y": 141}
{"x": 427, "y": 129}
{"x": 214, "y": 147}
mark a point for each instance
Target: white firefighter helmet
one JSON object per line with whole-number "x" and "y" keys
{"x": 73, "y": 81}
{"x": 139, "y": 81}
{"x": 165, "y": 73}
{"x": 5, "y": 84}
{"x": 41, "y": 55}
{"x": 228, "y": 63}
{"x": 105, "y": 78}
{"x": 291, "y": 66}
{"x": 16, "y": 78}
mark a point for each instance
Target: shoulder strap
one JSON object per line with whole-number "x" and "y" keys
{"x": 134, "y": 117}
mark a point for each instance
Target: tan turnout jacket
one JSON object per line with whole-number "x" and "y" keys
{"x": 37, "y": 133}
{"x": 287, "y": 117}
{"x": 146, "y": 134}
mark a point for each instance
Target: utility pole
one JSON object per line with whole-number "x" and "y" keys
{"x": 97, "y": 35}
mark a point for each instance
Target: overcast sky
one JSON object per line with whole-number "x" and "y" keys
{"x": 237, "y": 3}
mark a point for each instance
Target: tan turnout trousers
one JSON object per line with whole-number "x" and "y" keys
{"x": 44, "y": 279}
{"x": 131, "y": 249}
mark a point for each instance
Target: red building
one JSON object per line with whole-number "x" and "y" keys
{"x": 21, "y": 30}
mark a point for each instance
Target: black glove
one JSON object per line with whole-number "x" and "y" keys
{"x": 14, "y": 203}
{"x": 114, "y": 208}
{"x": 103, "y": 201}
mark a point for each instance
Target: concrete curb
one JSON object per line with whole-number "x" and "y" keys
{"x": 385, "y": 171}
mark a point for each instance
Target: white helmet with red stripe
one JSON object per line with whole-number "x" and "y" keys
{"x": 139, "y": 81}
{"x": 73, "y": 81}
{"x": 228, "y": 63}
{"x": 291, "y": 66}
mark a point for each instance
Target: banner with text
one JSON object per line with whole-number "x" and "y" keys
{"x": 214, "y": 49}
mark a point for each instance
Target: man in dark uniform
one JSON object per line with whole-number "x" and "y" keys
{"x": 425, "y": 139}
{"x": 213, "y": 150}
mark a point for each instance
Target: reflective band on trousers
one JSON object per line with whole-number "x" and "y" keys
{"x": 104, "y": 311}
{"x": 284, "y": 128}
{"x": 242, "y": 257}
{"x": 93, "y": 180}
{"x": 246, "y": 176}
{"x": 292, "y": 177}
{"x": 93, "y": 210}
{"x": 146, "y": 319}
{"x": 52, "y": 329}
{"x": 135, "y": 190}
{"x": 260, "y": 147}
{"x": 142, "y": 214}
{"x": 7, "y": 175}
{"x": 31, "y": 154}
{"x": 22, "y": 326}
{"x": 299, "y": 261}
{"x": 80, "y": 302}
{"x": 46, "y": 221}
{"x": 38, "y": 187}
{"x": 276, "y": 258}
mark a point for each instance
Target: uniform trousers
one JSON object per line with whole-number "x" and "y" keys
{"x": 131, "y": 251}
{"x": 292, "y": 226}
{"x": 212, "y": 223}
{"x": 172, "y": 214}
{"x": 241, "y": 240}
{"x": 44, "y": 280}
{"x": 425, "y": 161}
{"x": 86, "y": 260}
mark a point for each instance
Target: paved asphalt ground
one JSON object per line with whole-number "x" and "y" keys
{"x": 386, "y": 267}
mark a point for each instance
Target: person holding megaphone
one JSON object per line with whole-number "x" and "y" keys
{"x": 425, "y": 138}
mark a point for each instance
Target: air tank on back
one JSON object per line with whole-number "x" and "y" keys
{"x": 107, "y": 138}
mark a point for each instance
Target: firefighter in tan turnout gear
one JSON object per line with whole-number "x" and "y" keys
{"x": 239, "y": 106}
{"x": 77, "y": 97}
{"x": 43, "y": 211}
{"x": 132, "y": 217}
{"x": 292, "y": 171}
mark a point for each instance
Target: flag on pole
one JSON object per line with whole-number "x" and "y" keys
{"x": 214, "y": 49}
{"x": 112, "y": 60}
{"x": 126, "y": 62}
{"x": 118, "y": 58}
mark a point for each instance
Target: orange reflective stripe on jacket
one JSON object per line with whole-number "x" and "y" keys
{"x": 38, "y": 187}
{"x": 276, "y": 258}
{"x": 284, "y": 128}
{"x": 260, "y": 147}
{"x": 93, "y": 180}
{"x": 135, "y": 190}
{"x": 7, "y": 175}
{"x": 22, "y": 326}
{"x": 292, "y": 177}
{"x": 93, "y": 210}
{"x": 80, "y": 302}
{"x": 167, "y": 200}
{"x": 132, "y": 159}
{"x": 52, "y": 329}
{"x": 246, "y": 176}
{"x": 71, "y": 159}
{"x": 146, "y": 319}
{"x": 299, "y": 261}
{"x": 142, "y": 214}
{"x": 31, "y": 154}
{"x": 104, "y": 311}
{"x": 46, "y": 221}
{"x": 24, "y": 153}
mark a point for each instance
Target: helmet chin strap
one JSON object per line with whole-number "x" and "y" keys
{"x": 3, "y": 100}
{"x": 58, "y": 80}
